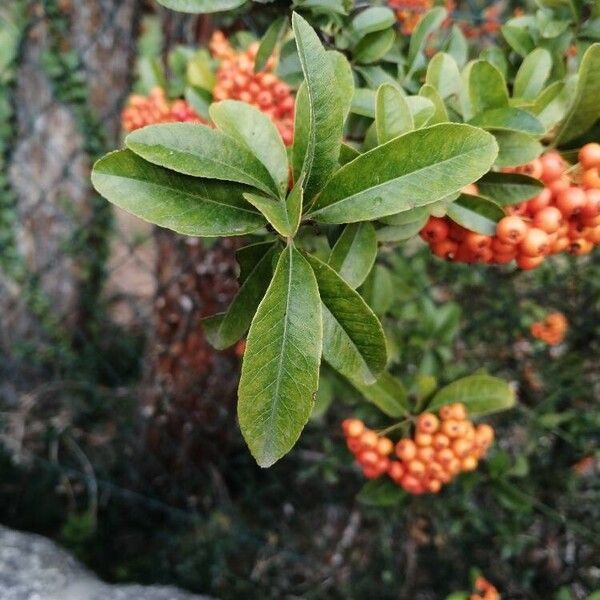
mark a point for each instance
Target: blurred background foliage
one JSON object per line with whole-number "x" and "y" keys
{"x": 145, "y": 476}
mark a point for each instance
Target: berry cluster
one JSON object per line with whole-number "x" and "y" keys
{"x": 484, "y": 590}
{"x": 564, "y": 216}
{"x": 551, "y": 330}
{"x": 409, "y": 12}
{"x": 156, "y": 108}
{"x": 237, "y": 80}
{"x": 439, "y": 449}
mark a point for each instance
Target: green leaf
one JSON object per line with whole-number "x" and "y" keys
{"x": 387, "y": 393}
{"x": 533, "y": 74}
{"x": 302, "y": 126}
{"x": 481, "y": 394}
{"x": 552, "y": 104}
{"x": 407, "y": 217}
{"x": 199, "y": 100}
{"x": 363, "y": 102}
{"x": 392, "y": 114}
{"x": 415, "y": 169}
{"x": 199, "y": 72}
{"x": 355, "y": 336}
{"x": 421, "y": 110}
{"x": 276, "y": 212}
{"x": 475, "y": 213}
{"x": 378, "y": 290}
{"x": 518, "y": 38}
{"x": 509, "y": 188}
{"x": 184, "y": 204}
{"x": 373, "y": 19}
{"x": 225, "y": 329}
{"x": 280, "y": 371}
{"x": 508, "y": 118}
{"x": 456, "y": 46}
{"x": 348, "y": 154}
{"x": 440, "y": 114}
{"x": 443, "y": 75}
{"x": 294, "y": 203}
{"x": 254, "y": 130}
{"x": 585, "y": 109}
{"x": 497, "y": 57}
{"x": 486, "y": 87}
{"x": 201, "y": 6}
{"x": 382, "y": 493}
{"x": 200, "y": 151}
{"x": 374, "y": 46}
{"x": 354, "y": 253}
{"x": 515, "y": 147}
{"x": 325, "y": 108}
{"x": 268, "y": 43}
{"x": 400, "y": 233}
{"x": 344, "y": 79}
{"x": 428, "y": 23}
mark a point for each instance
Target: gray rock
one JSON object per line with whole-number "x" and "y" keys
{"x": 35, "y": 568}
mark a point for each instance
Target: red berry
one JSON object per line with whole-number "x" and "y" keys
{"x": 511, "y": 230}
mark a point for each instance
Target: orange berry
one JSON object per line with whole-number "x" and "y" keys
{"x": 435, "y": 230}
{"x": 548, "y": 219}
{"x": 406, "y": 449}
{"x": 484, "y": 434}
{"x": 476, "y": 241}
{"x": 552, "y": 166}
{"x": 454, "y": 465}
{"x": 415, "y": 467}
{"x": 445, "y": 249}
{"x": 444, "y": 456}
{"x": 353, "y": 427}
{"x": 428, "y": 423}
{"x": 385, "y": 446}
{"x": 446, "y": 412}
{"x": 527, "y": 263}
{"x": 461, "y": 447}
{"x": 458, "y": 411}
{"x": 536, "y": 243}
{"x": 592, "y": 207}
{"x": 423, "y": 439}
{"x": 571, "y": 201}
{"x": 440, "y": 441}
{"x": 369, "y": 439}
{"x": 540, "y": 201}
{"x": 469, "y": 463}
{"x": 411, "y": 484}
{"x": 591, "y": 178}
{"x": 589, "y": 155}
{"x": 451, "y": 428}
{"x": 354, "y": 445}
{"x": 396, "y": 470}
{"x": 580, "y": 246}
{"x": 433, "y": 485}
{"x": 425, "y": 454}
{"x": 511, "y": 230}
{"x": 534, "y": 168}
{"x": 368, "y": 458}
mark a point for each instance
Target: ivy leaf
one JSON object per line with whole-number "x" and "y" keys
{"x": 325, "y": 115}
{"x": 585, "y": 109}
{"x": 481, "y": 394}
{"x": 225, "y": 329}
{"x": 533, "y": 74}
{"x": 200, "y": 151}
{"x": 509, "y": 188}
{"x": 392, "y": 114}
{"x": 280, "y": 371}
{"x": 387, "y": 393}
{"x": 273, "y": 34}
{"x": 253, "y": 129}
{"x": 184, "y": 204}
{"x": 486, "y": 87}
{"x": 508, "y": 118}
{"x": 354, "y": 253}
{"x": 201, "y": 6}
{"x": 475, "y": 213}
{"x": 414, "y": 169}
{"x": 443, "y": 75}
{"x": 352, "y": 335}
{"x": 515, "y": 147}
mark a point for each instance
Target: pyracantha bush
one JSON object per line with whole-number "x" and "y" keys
{"x": 417, "y": 134}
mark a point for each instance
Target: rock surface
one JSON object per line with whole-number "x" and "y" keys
{"x": 35, "y": 568}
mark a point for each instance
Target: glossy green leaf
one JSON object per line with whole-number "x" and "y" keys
{"x": 533, "y": 74}
{"x": 184, "y": 204}
{"x": 392, "y": 114}
{"x": 268, "y": 43}
{"x": 275, "y": 211}
{"x": 497, "y": 57}
{"x": 302, "y": 126}
{"x": 348, "y": 154}
{"x": 257, "y": 132}
{"x": 486, "y": 87}
{"x": 428, "y": 23}
{"x": 456, "y": 46}
{"x": 199, "y": 100}
{"x": 387, "y": 393}
{"x": 363, "y": 102}
{"x": 475, "y": 213}
{"x": 443, "y": 75}
{"x": 325, "y": 108}
{"x": 378, "y": 289}
{"x": 518, "y": 38}
{"x": 374, "y": 46}
{"x": 375, "y": 75}
{"x": 516, "y": 147}
{"x": 440, "y": 114}
{"x": 199, "y": 72}
{"x": 375, "y": 18}
{"x": 356, "y": 336}
{"x": 481, "y": 394}
{"x": 344, "y": 79}
{"x": 552, "y": 104}
{"x": 280, "y": 371}
{"x": 407, "y": 216}
{"x": 508, "y": 118}
{"x": 201, "y": 6}
{"x": 400, "y": 233}
{"x": 354, "y": 253}
{"x": 585, "y": 108}
{"x": 421, "y": 110}
{"x": 200, "y": 151}
{"x": 225, "y": 329}
{"x": 415, "y": 169}
{"x": 509, "y": 188}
